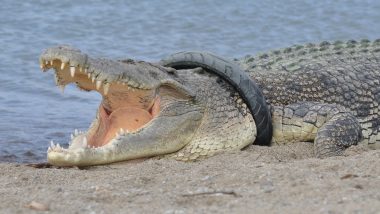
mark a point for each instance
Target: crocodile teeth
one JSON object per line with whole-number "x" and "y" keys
{"x": 76, "y": 132}
{"x": 88, "y": 75}
{"x": 93, "y": 79}
{"x": 52, "y": 144}
{"x": 84, "y": 142}
{"x": 72, "y": 71}
{"x": 117, "y": 135}
{"x": 98, "y": 84}
{"x": 71, "y": 136}
{"x": 62, "y": 87}
{"x": 121, "y": 131}
{"x": 56, "y": 78}
{"x": 63, "y": 65}
{"x": 106, "y": 88}
{"x": 46, "y": 62}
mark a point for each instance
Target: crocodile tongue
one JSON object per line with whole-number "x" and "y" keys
{"x": 128, "y": 118}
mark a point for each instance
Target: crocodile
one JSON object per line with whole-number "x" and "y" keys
{"x": 325, "y": 93}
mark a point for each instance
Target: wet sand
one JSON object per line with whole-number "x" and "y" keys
{"x": 284, "y": 179}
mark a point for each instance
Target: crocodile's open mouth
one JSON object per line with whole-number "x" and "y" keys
{"x": 125, "y": 107}
{"x": 142, "y": 108}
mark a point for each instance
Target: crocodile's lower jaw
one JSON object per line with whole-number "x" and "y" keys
{"x": 120, "y": 114}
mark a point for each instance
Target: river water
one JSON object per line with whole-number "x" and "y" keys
{"x": 33, "y": 111}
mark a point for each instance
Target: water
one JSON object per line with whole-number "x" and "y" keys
{"x": 32, "y": 109}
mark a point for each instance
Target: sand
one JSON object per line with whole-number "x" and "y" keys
{"x": 284, "y": 179}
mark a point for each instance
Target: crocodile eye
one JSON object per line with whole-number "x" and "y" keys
{"x": 171, "y": 71}
{"x": 219, "y": 80}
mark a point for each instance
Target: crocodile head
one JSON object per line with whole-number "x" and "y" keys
{"x": 142, "y": 108}
{"x": 148, "y": 110}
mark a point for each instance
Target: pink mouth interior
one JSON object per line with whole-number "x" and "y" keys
{"x": 128, "y": 118}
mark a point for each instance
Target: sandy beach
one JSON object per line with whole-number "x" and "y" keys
{"x": 282, "y": 179}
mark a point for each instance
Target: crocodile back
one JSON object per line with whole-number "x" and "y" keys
{"x": 345, "y": 73}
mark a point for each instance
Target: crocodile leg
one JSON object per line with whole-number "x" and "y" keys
{"x": 330, "y": 126}
{"x": 340, "y": 132}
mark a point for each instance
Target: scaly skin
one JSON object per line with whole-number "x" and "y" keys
{"x": 321, "y": 93}
{"x": 190, "y": 104}
{"x": 341, "y": 73}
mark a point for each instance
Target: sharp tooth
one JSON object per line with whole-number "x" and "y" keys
{"x": 48, "y": 150}
{"x": 80, "y": 69}
{"x": 106, "y": 88}
{"x": 121, "y": 131}
{"x": 59, "y": 146}
{"x": 134, "y": 84}
{"x": 46, "y": 62}
{"x": 89, "y": 75}
{"x": 71, "y": 136}
{"x": 56, "y": 78}
{"x": 86, "y": 70}
{"x": 62, "y": 87}
{"x": 52, "y": 144}
{"x": 72, "y": 71}
{"x": 76, "y": 132}
{"x": 51, "y": 62}
{"x": 84, "y": 142}
{"x": 93, "y": 79}
{"x": 63, "y": 65}
{"x": 98, "y": 84}
{"x": 42, "y": 66}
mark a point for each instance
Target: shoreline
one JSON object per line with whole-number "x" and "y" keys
{"x": 278, "y": 179}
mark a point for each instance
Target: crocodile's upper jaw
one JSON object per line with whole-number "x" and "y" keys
{"x": 126, "y": 109}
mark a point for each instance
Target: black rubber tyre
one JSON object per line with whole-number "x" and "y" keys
{"x": 232, "y": 73}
